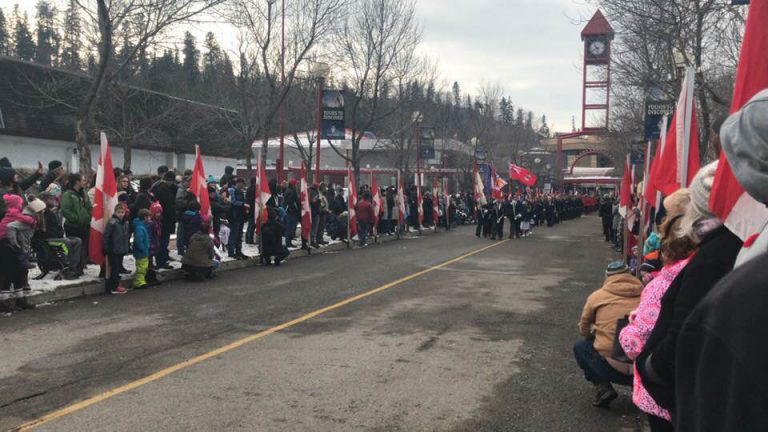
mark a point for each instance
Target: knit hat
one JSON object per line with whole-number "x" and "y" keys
{"x": 156, "y": 208}
{"x": 677, "y": 203}
{"x": 54, "y": 164}
{"x": 700, "y": 188}
{"x": 745, "y": 141}
{"x": 293, "y": 182}
{"x": 651, "y": 266}
{"x": 211, "y": 179}
{"x": 36, "y": 205}
{"x": 616, "y": 267}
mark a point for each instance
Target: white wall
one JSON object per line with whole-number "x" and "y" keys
{"x": 25, "y": 152}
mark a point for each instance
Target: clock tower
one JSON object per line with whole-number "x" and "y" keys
{"x": 596, "y": 92}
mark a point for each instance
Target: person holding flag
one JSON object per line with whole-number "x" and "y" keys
{"x": 435, "y": 203}
{"x": 400, "y": 204}
{"x": 351, "y": 206}
{"x": 306, "y": 211}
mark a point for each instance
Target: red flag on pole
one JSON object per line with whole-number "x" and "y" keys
{"x": 446, "y": 202}
{"x": 479, "y": 188}
{"x": 435, "y": 202}
{"x": 352, "y": 203}
{"x": 650, "y": 188}
{"x": 262, "y": 195}
{"x": 525, "y": 177}
{"x": 741, "y": 213}
{"x": 680, "y": 161}
{"x": 306, "y": 212}
{"x": 400, "y": 199}
{"x": 376, "y": 204}
{"x": 198, "y": 185}
{"x": 104, "y": 202}
{"x": 625, "y": 202}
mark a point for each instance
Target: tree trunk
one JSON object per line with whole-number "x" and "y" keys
{"x": 84, "y": 113}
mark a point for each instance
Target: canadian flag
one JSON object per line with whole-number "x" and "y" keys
{"x": 446, "y": 201}
{"x": 741, "y": 213}
{"x": 377, "y": 201}
{"x": 306, "y": 212}
{"x": 420, "y": 203}
{"x": 525, "y": 177}
{"x": 435, "y": 201}
{"x": 352, "y": 203}
{"x": 478, "y": 183}
{"x": 263, "y": 195}
{"x": 625, "y": 201}
{"x": 198, "y": 185}
{"x": 400, "y": 199}
{"x": 650, "y": 189}
{"x": 104, "y": 202}
{"x": 682, "y": 144}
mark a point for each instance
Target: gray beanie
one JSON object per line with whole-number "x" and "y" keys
{"x": 700, "y": 189}
{"x": 745, "y": 141}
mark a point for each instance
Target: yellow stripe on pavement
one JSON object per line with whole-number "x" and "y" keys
{"x": 234, "y": 345}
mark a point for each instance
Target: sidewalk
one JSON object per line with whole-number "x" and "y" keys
{"x": 49, "y": 290}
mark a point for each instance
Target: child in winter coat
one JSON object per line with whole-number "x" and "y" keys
{"x": 115, "y": 245}
{"x": 191, "y": 220}
{"x": 19, "y": 235}
{"x": 223, "y": 234}
{"x": 141, "y": 248}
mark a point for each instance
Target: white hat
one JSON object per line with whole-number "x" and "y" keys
{"x": 36, "y": 205}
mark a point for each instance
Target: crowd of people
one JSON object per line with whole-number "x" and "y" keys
{"x": 526, "y": 212}
{"x": 685, "y": 330}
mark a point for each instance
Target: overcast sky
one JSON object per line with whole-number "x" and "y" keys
{"x": 531, "y": 48}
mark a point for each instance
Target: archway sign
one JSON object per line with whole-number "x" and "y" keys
{"x": 591, "y": 152}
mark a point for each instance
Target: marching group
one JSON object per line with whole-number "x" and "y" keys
{"x": 687, "y": 333}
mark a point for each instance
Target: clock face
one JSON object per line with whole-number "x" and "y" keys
{"x": 597, "y": 48}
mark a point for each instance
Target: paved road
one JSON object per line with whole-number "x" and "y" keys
{"x": 480, "y": 344}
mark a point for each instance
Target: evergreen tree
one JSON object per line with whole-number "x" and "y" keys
{"x": 190, "y": 68}
{"x": 211, "y": 59}
{"x": 25, "y": 46}
{"x": 70, "y": 49}
{"x": 456, "y": 94}
{"x": 5, "y": 41}
{"x": 48, "y": 40}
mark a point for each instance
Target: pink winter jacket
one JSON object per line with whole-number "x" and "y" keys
{"x": 13, "y": 205}
{"x": 634, "y": 335}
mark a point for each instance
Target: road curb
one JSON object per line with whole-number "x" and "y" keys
{"x": 95, "y": 288}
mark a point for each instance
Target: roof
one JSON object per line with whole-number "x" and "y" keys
{"x": 597, "y": 26}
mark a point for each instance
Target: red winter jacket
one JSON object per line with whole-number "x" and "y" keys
{"x": 364, "y": 211}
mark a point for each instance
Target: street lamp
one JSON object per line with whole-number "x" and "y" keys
{"x": 319, "y": 72}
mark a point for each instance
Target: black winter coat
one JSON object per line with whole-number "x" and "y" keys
{"x": 166, "y": 196}
{"x": 715, "y": 258}
{"x": 272, "y": 237}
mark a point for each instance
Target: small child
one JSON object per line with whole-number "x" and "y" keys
{"x": 141, "y": 248}
{"x": 14, "y": 214}
{"x": 115, "y": 245}
{"x": 224, "y": 235}
{"x": 19, "y": 234}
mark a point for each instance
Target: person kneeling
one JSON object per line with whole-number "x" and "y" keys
{"x": 617, "y": 298}
{"x": 199, "y": 260}
{"x": 272, "y": 239}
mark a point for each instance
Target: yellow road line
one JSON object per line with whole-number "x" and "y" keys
{"x": 236, "y": 344}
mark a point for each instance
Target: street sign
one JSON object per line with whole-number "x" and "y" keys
{"x": 654, "y": 112}
{"x": 427, "y": 143}
{"x": 333, "y": 115}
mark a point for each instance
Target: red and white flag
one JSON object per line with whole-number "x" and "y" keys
{"x": 400, "y": 199}
{"x": 479, "y": 188}
{"x": 420, "y": 203}
{"x": 741, "y": 213}
{"x": 306, "y": 211}
{"x": 435, "y": 201}
{"x": 352, "y": 203}
{"x": 651, "y": 192}
{"x": 625, "y": 202}
{"x": 104, "y": 202}
{"x": 521, "y": 174}
{"x": 262, "y": 195}
{"x": 198, "y": 185}
{"x": 377, "y": 201}
{"x": 680, "y": 160}
{"x": 446, "y": 201}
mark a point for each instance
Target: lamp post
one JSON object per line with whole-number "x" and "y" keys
{"x": 416, "y": 117}
{"x": 281, "y": 109}
{"x": 319, "y": 72}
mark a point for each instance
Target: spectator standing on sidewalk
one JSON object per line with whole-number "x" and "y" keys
{"x": 272, "y": 239}
{"x": 237, "y": 214}
{"x": 365, "y": 217}
{"x": 115, "y": 246}
{"x": 322, "y": 215}
{"x": 619, "y": 295}
{"x": 293, "y": 211}
{"x": 165, "y": 193}
{"x": 76, "y": 210}
{"x": 141, "y": 248}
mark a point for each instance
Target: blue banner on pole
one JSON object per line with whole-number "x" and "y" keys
{"x": 739, "y": 2}
{"x": 654, "y": 112}
{"x": 333, "y": 115}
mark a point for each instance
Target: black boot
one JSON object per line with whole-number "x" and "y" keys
{"x": 604, "y": 395}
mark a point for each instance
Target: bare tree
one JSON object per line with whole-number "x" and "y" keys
{"x": 141, "y": 22}
{"x": 376, "y": 47}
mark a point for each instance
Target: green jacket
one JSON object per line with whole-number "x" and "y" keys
{"x": 76, "y": 208}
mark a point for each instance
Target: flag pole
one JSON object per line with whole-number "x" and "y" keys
{"x": 690, "y": 83}
{"x": 643, "y": 206}
{"x": 349, "y": 215}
